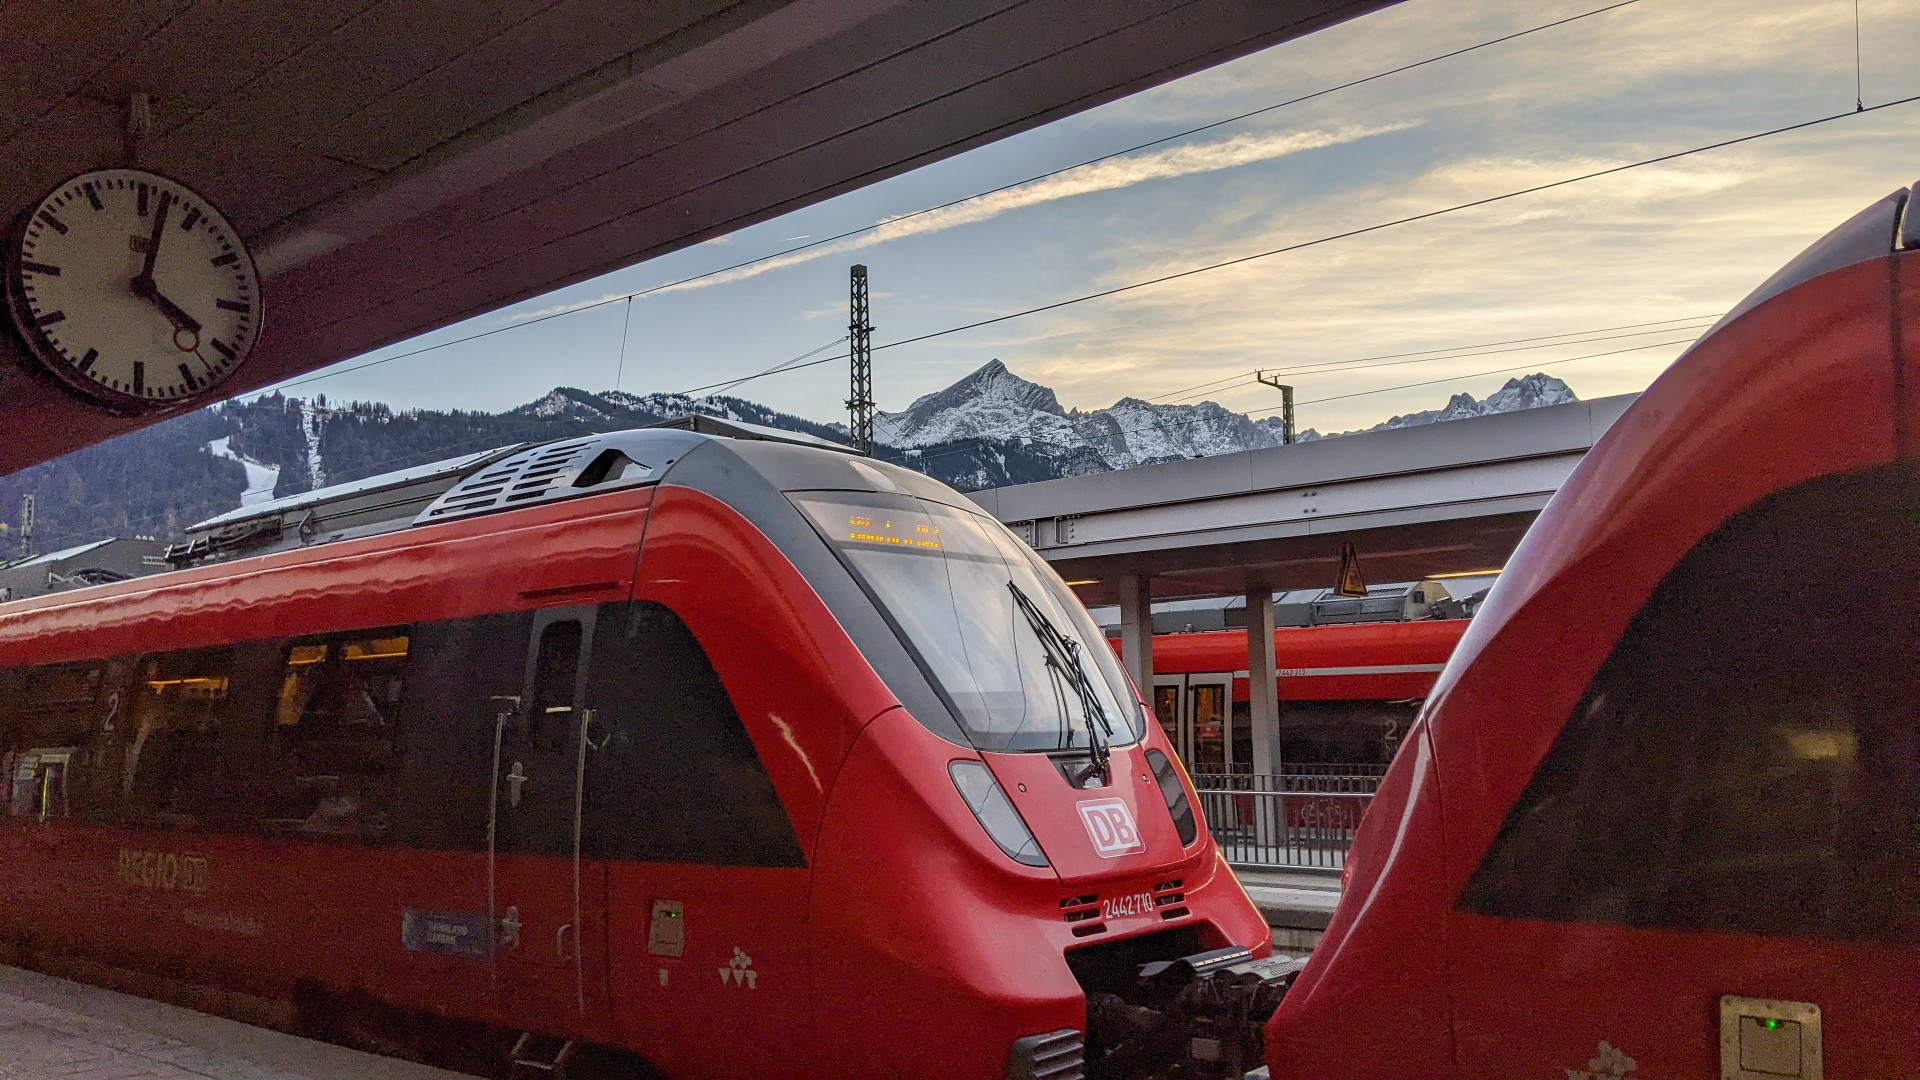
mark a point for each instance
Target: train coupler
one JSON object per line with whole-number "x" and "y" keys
{"x": 1196, "y": 1018}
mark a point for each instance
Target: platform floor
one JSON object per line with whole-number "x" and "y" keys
{"x": 1297, "y": 903}
{"x": 52, "y": 1029}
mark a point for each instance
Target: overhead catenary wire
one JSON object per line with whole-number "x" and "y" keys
{"x": 1364, "y": 230}
{"x": 1495, "y": 371}
{"x": 1345, "y": 366}
{"x": 850, "y": 233}
{"x": 1378, "y": 227}
{"x": 1859, "y": 91}
{"x": 626, "y": 325}
{"x": 714, "y": 388}
{"x": 1124, "y": 430}
{"x": 1406, "y": 220}
{"x": 504, "y": 437}
{"x": 1447, "y": 353}
{"x": 1451, "y": 349}
{"x": 494, "y": 439}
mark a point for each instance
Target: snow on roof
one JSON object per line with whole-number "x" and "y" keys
{"x": 65, "y": 553}
{"x": 355, "y": 487}
{"x": 705, "y": 424}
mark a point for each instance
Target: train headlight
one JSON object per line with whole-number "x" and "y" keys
{"x": 996, "y": 812}
{"x": 1175, "y": 794}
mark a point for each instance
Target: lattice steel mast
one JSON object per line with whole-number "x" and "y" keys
{"x": 860, "y": 348}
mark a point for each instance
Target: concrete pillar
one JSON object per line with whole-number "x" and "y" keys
{"x": 1136, "y": 632}
{"x": 1263, "y": 698}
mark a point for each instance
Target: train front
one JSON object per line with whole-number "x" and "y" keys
{"x": 1005, "y": 851}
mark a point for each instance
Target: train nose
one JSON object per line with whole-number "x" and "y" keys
{"x": 1091, "y": 831}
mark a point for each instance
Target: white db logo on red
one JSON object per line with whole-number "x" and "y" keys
{"x": 1110, "y": 827}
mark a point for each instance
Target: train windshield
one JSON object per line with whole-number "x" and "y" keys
{"x": 981, "y": 612}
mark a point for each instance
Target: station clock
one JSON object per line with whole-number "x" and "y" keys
{"x": 132, "y": 290}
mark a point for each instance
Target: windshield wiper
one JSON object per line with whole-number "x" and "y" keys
{"x": 1063, "y": 656}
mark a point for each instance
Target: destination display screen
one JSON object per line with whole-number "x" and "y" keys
{"x": 892, "y": 531}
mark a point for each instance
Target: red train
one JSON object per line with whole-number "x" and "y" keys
{"x": 1348, "y": 693}
{"x": 1658, "y": 817}
{"x": 735, "y": 757}
{"x": 527, "y": 765}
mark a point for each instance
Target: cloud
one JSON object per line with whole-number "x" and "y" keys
{"x": 1664, "y": 242}
{"x": 1111, "y": 175}
{"x": 562, "y": 309}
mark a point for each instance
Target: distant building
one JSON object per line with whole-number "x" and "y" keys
{"x": 1458, "y": 596}
{"x": 95, "y": 563}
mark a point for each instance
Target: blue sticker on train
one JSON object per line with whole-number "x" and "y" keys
{"x": 456, "y": 933}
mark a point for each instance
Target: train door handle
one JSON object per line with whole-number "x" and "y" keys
{"x": 560, "y": 941}
{"x": 516, "y": 776}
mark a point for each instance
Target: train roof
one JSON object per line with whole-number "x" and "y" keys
{"x": 421, "y": 475}
{"x": 490, "y": 481}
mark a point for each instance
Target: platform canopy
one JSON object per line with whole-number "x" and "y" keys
{"x": 398, "y": 165}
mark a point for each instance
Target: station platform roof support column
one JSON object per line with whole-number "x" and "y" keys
{"x": 1136, "y": 631}
{"x": 1263, "y": 691}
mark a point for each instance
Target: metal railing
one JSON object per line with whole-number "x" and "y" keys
{"x": 1303, "y": 818}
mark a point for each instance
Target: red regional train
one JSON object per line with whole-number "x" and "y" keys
{"x": 1348, "y": 692}
{"x": 732, "y": 757}
{"x": 1661, "y": 815}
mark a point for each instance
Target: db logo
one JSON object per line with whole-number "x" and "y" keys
{"x": 1110, "y": 827}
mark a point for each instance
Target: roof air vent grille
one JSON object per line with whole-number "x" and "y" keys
{"x": 561, "y": 470}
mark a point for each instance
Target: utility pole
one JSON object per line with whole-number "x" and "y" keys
{"x": 1286, "y": 404}
{"x": 860, "y": 349}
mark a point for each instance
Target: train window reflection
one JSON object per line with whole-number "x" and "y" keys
{"x": 173, "y": 728}
{"x": 1740, "y": 768}
{"x": 332, "y": 740}
{"x": 941, "y": 575}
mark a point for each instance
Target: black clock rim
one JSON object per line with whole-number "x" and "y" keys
{"x": 49, "y": 360}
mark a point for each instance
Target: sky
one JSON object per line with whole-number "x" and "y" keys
{"x": 1390, "y": 321}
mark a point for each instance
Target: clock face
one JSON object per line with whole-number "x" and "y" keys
{"x": 132, "y": 290}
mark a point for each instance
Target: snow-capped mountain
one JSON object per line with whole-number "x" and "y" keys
{"x": 994, "y": 405}
{"x": 619, "y": 408}
{"x": 990, "y": 429}
{"x": 1530, "y": 392}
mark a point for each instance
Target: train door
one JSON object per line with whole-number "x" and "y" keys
{"x": 548, "y": 903}
{"x": 1197, "y": 713}
{"x": 1209, "y": 718}
{"x": 1167, "y": 691}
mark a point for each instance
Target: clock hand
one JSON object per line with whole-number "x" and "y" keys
{"x": 144, "y": 288}
{"x": 153, "y": 242}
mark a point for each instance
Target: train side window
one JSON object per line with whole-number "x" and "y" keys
{"x": 1745, "y": 768}
{"x": 676, "y": 778}
{"x": 558, "y": 667}
{"x": 333, "y": 737}
{"x": 1344, "y": 731}
{"x": 173, "y": 733}
{"x": 547, "y": 723}
{"x": 56, "y": 705}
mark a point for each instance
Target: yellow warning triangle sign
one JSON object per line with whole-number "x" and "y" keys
{"x": 1350, "y": 583}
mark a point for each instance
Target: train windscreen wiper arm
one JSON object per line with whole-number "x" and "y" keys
{"x": 1063, "y": 655}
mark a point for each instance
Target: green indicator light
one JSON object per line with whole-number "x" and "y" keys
{"x": 1772, "y": 1023}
